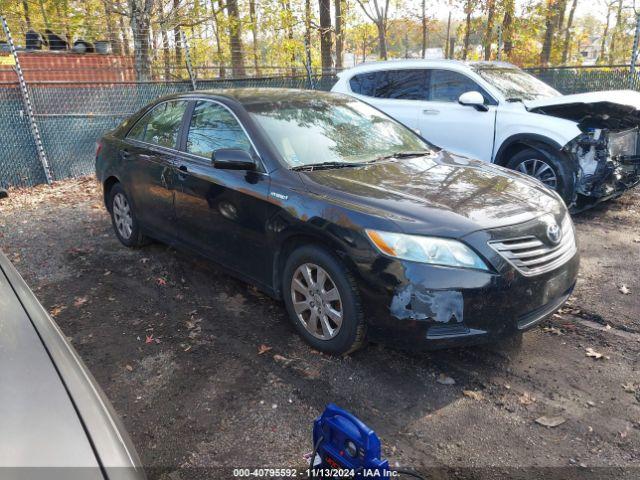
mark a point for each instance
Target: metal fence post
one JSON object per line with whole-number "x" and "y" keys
{"x": 42, "y": 156}
{"x": 187, "y": 59}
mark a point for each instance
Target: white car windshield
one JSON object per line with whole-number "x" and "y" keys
{"x": 515, "y": 84}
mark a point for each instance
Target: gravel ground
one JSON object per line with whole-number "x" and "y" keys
{"x": 176, "y": 343}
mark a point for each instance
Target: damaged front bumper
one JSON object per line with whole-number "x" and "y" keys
{"x": 608, "y": 164}
{"x": 428, "y": 306}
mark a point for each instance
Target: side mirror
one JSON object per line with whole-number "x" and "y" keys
{"x": 233, "y": 159}
{"x": 473, "y": 99}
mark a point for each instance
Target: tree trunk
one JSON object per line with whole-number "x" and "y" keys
{"x": 254, "y": 36}
{"x": 27, "y": 16}
{"x": 325, "y": 36}
{"x": 165, "y": 51}
{"x": 550, "y": 24}
{"x": 177, "y": 37}
{"x": 339, "y": 39}
{"x": 43, "y": 12}
{"x": 488, "y": 33}
{"x": 467, "y": 33}
{"x": 116, "y": 47}
{"x": 382, "y": 39}
{"x": 424, "y": 29}
{"x": 603, "y": 42}
{"x": 123, "y": 35}
{"x": 289, "y": 21}
{"x": 235, "y": 39}
{"x": 567, "y": 32}
{"x": 612, "y": 45}
{"x": 140, "y": 13}
{"x": 507, "y": 27}
{"x": 216, "y": 31}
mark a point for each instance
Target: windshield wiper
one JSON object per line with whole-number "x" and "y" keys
{"x": 326, "y": 166}
{"x": 402, "y": 155}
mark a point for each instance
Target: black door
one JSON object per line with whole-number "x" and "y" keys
{"x": 222, "y": 213}
{"x": 149, "y": 155}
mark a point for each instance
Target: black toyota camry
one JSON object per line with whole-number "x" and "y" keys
{"x": 366, "y": 231}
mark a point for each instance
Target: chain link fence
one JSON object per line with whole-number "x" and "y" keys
{"x": 80, "y": 90}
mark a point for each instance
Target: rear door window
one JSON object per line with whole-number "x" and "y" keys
{"x": 161, "y": 125}
{"x": 405, "y": 84}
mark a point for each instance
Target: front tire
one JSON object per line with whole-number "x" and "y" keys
{"x": 323, "y": 301}
{"x": 123, "y": 218}
{"x": 548, "y": 168}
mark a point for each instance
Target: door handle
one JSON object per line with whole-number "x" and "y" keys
{"x": 430, "y": 111}
{"x": 124, "y": 154}
{"x": 182, "y": 169}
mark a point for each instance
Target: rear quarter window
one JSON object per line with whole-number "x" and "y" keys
{"x": 403, "y": 84}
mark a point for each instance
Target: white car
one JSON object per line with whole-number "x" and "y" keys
{"x": 584, "y": 146}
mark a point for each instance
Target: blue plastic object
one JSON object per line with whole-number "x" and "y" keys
{"x": 347, "y": 443}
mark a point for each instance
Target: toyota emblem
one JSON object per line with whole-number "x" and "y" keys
{"x": 554, "y": 234}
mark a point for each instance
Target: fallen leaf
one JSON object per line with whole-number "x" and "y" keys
{"x": 550, "y": 422}
{"x": 263, "y": 349}
{"x": 144, "y": 260}
{"x": 129, "y": 367}
{"x": 624, "y": 289}
{"x": 56, "y": 309}
{"x": 161, "y": 282}
{"x": 596, "y": 355}
{"x": 629, "y": 387}
{"x": 149, "y": 339}
{"x": 526, "y": 398}
{"x": 80, "y": 301}
{"x": 554, "y": 330}
{"x": 108, "y": 272}
{"x": 472, "y": 394}
{"x": 445, "y": 380}
{"x": 281, "y": 359}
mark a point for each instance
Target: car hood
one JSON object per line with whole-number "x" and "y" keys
{"x": 438, "y": 194}
{"x": 614, "y": 109}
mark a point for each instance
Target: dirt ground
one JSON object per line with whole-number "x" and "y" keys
{"x": 175, "y": 344}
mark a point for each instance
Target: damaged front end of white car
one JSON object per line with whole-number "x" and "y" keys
{"x": 607, "y": 152}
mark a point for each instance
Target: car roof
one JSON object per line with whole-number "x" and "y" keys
{"x": 248, "y": 96}
{"x": 423, "y": 63}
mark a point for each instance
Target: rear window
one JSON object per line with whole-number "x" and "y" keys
{"x": 399, "y": 84}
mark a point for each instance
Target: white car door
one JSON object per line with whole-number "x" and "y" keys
{"x": 454, "y": 127}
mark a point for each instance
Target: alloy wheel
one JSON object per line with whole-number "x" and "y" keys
{"x": 122, "y": 216}
{"x": 316, "y": 301}
{"x": 540, "y": 170}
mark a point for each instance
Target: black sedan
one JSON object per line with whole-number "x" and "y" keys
{"x": 365, "y": 230}
{"x": 55, "y": 420}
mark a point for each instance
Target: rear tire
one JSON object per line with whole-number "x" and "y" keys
{"x": 124, "y": 219}
{"x": 323, "y": 290}
{"x": 547, "y": 167}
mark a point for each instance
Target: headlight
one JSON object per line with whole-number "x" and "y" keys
{"x": 432, "y": 250}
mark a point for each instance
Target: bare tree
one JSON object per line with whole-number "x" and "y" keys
{"x": 378, "y": 15}
{"x": 27, "y": 15}
{"x": 605, "y": 33}
{"x": 616, "y": 31}
{"x": 423, "y": 18}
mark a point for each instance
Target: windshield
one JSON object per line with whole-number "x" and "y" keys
{"x": 515, "y": 84}
{"x": 310, "y": 131}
